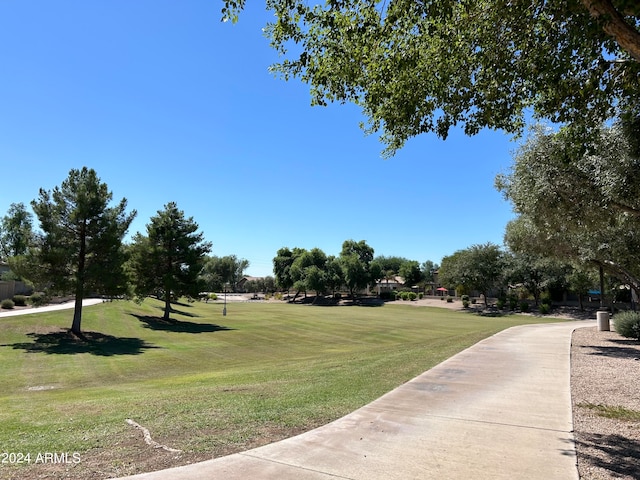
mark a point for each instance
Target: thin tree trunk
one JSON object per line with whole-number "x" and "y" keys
{"x": 167, "y": 305}
{"x": 77, "y": 311}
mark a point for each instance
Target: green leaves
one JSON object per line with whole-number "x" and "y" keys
{"x": 169, "y": 260}
{"x": 418, "y": 67}
{"x": 81, "y": 248}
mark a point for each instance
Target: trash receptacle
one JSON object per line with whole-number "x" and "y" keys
{"x": 603, "y": 320}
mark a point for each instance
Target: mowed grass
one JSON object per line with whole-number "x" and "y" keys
{"x": 209, "y": 384}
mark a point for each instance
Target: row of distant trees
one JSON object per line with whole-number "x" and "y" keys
{"x": 79, "y": 248}
{"x": 355, "y": 269}
{"x": 489, "y": 270}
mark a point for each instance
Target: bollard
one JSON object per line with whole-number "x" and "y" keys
{"x": 603, "y": 321}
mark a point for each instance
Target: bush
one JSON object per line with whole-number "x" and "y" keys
{"x": 627, "y": 324}
{"x": 449, "y": 299}
{"x": 545, "y": 308}
{"x": 465, "y": 303}
{"x": 420, "y": 295}
{"x": 38, "y": 299}
{"x": 412, "y": 296}
{"x": 213, "y": 296}
{"x": 500, "y": 303}
{"x": 388, "y": 295}
{"x": 524, "y": 306}
{"x": 513, "y": 302}
{"x": 545, "y": 299}
{"x": 404, "y": 296}
{"x": 7, "y": 304}
{"x": 464, "y": 298}
{"x": 20, "y": 300}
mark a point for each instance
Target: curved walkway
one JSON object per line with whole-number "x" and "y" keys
{"x": 498, "y": 410}
{"x": 49, "y": 308}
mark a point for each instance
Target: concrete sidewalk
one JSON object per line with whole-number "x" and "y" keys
{"x": 49, "y": 308}
{"x": 498, "y": 410}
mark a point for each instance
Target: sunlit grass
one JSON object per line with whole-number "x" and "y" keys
{"x": 613, "y": 411}
{"x": 212, "y": 383}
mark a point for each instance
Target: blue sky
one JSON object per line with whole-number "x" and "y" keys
{"x": 167, "y": 103}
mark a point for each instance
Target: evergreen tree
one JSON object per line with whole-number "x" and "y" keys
{"x": 81, "y": 247}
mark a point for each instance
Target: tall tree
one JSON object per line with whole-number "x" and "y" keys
{"x": 429, "y": 269}
{"x": 16, "y": 231}
{"x": 168, "y": 261}
{"x": 534, "y": 272}
{"x": 578, "y": 201}
{"x": 416, "y": 67}
{"x": 411, "y": 273}
{"x": 308, "y": 271}
{"x": 479, "y": 267}
{"x": 221, "y": 271}
{"x": 282, "y": 263}
{"x": 356, "y": 258}
{"x": 81, "y": 247}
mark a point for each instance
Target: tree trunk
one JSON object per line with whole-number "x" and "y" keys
{"x": 601, "y": 287}
{"x": 77, "y": 311}
{"x": 167, "y": 305}
{"x": 580, "y": 297}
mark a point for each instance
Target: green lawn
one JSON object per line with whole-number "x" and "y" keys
{"x": 208, "y": 384}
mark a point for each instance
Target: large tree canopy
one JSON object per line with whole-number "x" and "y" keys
{"x": 479, "y": 267}
{"x": 426, "y": 66}
{"x": 578, "y": 201}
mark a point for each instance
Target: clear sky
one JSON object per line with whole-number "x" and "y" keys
{"x": 167, "y": 103}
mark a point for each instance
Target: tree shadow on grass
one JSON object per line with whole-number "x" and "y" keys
{"x": 66, "y": 342}
{"x": 171, "y": 325}
{"x": 178, "y": 312}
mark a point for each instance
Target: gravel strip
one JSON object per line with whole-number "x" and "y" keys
{"x": 605, "y": 369}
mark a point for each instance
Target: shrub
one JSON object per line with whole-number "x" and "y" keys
{"x": 627, "y": 324}
{"x": 465, "y": 303}
{"x": 38, "y": 299}
{"x": 500, "y": 303}
{"x": 545, "y": 298}
{"x": 412, "y": 296}
{"x": 513, "y": 302}
{"x": 20, "y": 300}
{"x": 7, "y": 304}
{"x": 420, "y": 295}
{"x": 545, "y": 308}
{"x": 388, "y": 295}
{"x": 464, "y": 298}
{"x": 442, "y": 298}
{"x": 524, "y": 306}
{"x": 213, "y": 296}
{"x": 336, "y": 296}
{"x": 474, "y": 300}
{"x": 449, "y": 299}
{"x": 404, "y": 296}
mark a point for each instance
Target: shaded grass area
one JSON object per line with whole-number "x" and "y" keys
{"x": 203, "y": 383}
